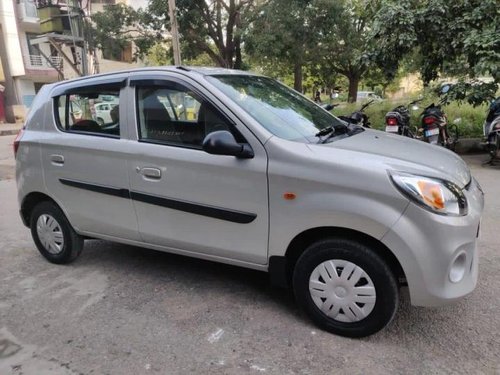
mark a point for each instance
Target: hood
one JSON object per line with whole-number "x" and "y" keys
{"x": 408, "y": 155}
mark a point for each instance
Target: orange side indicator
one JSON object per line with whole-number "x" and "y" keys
{"x": 289, "y": 196}
{"x": 432, "y": 194}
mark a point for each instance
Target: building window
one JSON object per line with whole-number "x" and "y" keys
{"x": 112, "y": 51}
{"x": 32, "y": 50}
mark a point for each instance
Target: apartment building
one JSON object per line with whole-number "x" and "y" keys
{"x": 24, "y": 68}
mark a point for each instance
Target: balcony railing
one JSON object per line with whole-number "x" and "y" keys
{"x": 38, "y": 61}
{"x": 27, "y": 10}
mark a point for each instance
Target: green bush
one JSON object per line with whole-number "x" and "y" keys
{"x": 470, "y": 125}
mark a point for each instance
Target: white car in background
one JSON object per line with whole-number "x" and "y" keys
{"x": 367, "y": 95}
{"x": 103, "y": 112}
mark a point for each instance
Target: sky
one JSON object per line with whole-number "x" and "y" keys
{"x": 137, "y": 3}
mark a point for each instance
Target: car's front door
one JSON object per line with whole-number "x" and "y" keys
{"x": 185, "y": 198}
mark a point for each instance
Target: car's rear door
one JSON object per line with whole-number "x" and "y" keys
{"x": 185, "y": 198}
{"x": 85, "y": 162}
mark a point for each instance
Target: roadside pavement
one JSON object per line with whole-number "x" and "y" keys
{"x": 10, "y": 129}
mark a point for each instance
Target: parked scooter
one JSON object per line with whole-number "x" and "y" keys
{"x": 491, "y": 129}
{"x": 397, "y": 121}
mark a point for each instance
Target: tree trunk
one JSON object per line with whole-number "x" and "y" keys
{"x": 297, "y": 77}
{"x": 353, "y": 88}
{"x": 238, "y": 61}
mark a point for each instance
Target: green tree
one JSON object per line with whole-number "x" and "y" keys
{"x": 118, "y": 25}
{"x": 460, "y": 38}
{"x": 211, "y": 27}
{"x": 346, "y": 46}
{"x": 286, "y": 33}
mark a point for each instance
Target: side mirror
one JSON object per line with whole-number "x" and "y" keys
{"x": 445, "y": 89}
{"x": 222, "y": 142}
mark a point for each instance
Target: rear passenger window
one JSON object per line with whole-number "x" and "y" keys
{"x": 93, "y": 110}
{"x": 175, "y": 115}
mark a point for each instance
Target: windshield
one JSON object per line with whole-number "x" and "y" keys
{"x": 282, "y": 111}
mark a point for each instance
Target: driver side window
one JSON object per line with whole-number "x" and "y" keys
{"x": 173, "y": 114}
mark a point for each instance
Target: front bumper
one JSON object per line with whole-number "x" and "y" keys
{"x": 438, "y": 253}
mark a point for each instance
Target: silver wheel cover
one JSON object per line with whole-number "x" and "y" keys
{"x": 342, "y": 290}
{"x": 50, "y": 234}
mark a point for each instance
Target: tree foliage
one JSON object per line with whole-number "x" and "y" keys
{"x": 211, "y": 27}
{"x": 119, "y": 25}
{"x": 287, "y": 32}
{"x": 459, "y": 38}
{"x": 206, "y": 27}
{"x": 346, "y": 48}
{"x": 332, "y": 37}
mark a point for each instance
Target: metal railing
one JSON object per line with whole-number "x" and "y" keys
{"x": 38, "y": 61}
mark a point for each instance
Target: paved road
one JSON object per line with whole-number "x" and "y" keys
{"x": 125, "y": 310}
{"x": 6, "y": 157}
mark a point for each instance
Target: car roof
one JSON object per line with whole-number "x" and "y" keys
{"x": 185, "y": 70}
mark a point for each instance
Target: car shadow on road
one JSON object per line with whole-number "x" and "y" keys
{"x": 153, "y": 268}
{"x": 147, "y": 269}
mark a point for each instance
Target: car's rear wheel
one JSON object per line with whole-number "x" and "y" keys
{"x": 53, "y": 235}
{"x": 345, "y": 287}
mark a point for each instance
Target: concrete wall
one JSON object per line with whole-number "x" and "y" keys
{"x": 10, "y": 36}
{"x": 9, "y": 45}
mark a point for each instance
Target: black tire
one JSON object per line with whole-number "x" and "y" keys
{"x": 384, "y": 281}
{"x": 494, "y": 145}
{"x": 100, "y": 121}
{"x": 73, "y": 243}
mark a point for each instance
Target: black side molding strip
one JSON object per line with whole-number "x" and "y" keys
{"x": 124, "y": 193}
{"x": 174, "y": 204}
{"x": 194, "y": 208}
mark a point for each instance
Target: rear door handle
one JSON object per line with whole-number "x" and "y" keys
{"x": 153, "y": 173}
{"x": 57, "y": 159}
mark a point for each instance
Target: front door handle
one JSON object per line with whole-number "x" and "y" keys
{"x": 57, "y": 159}
{"x": 149, "y": 172}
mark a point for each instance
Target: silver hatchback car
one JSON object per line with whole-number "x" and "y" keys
{"x": 237, "y": 168}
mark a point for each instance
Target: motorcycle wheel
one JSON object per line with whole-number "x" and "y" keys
{"x": 494, "y": 146}
{"x": 452, "y": 140}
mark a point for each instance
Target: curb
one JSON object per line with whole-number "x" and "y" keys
{"x": 470, "y": 146}
{"x": 9, "y": 132}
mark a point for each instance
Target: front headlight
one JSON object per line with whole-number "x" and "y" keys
{"x": 438, "y": 196}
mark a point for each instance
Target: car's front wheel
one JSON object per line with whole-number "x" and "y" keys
{"x": 345, "y": 287}
{"x": 54, "y": 237}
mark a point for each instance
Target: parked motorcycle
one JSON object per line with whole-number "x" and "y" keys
{"x": 397, "y": 121}
{"x": 435, "y": 128}
{"x": 357, "y": 117}
{"x": 434, "y": 125}
{"x": 491, "y": 129}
